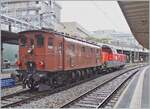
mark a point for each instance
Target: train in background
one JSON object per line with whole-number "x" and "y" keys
{"x": 48, "y": 59}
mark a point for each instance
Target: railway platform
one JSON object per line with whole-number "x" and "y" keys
{"x": 136, "y": 94}
{"x": 5, "y": 73}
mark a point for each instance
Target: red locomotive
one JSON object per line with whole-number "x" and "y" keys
{"x": 111, "y": 59}
{"x": 48, "y": 59}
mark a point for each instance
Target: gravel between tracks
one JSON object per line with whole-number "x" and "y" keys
{"x": 58, "y": 99}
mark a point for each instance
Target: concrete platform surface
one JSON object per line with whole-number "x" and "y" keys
{"x": 137, "y": 94}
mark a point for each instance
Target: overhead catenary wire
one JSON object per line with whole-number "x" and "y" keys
{"x": 105, "y": 14}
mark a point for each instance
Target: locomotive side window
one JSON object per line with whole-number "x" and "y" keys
{"x": 50, "y": 43}
{"x": 60, "y": 48}
{"x": 40, "y": 40}
{"x": 23, "y": 41}
{"x": 91, "y": 50}
{"x": 72, "y": 47}
{"x": 97, "y": 51}
{"x": 83, "y": 49}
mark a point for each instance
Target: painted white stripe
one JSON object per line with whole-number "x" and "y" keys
{"x": 136, "y": 99}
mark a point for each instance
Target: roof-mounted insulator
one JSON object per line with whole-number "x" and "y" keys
{"x": 62, "y": 33}
{"x": 66, "y": 34}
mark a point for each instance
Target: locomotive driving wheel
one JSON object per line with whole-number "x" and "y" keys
{"x": 31, "y": 84}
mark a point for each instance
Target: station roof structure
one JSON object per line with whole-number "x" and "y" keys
{"x": 9, "y": 37}
{"x": 137, "y": 16}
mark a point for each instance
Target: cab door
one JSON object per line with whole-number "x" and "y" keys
{"x": 54, "y": 56}
{"x": 40, "y": 44}
{"x": 60, "y": 55}
{"x": 39, "y": 52}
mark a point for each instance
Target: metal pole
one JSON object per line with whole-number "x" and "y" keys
{"x": 2, "y": 49}
{"x": 41, "y": 16}
{"x": 130, "y": 56}
{"x": 0, "y": 38}
{"x": 149, "y": 36}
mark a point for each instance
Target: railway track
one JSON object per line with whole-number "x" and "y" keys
{"x": 27, "y": 96}
{"x": 11, "y": 99}
{"x": 114, "y": 98}
{"x": 100, "y": 96}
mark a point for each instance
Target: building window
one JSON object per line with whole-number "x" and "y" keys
{"x": 50, "y": 2}
{"x": 23, "y": 40}
{"x": 37, "y": 2}
{"x": 40, "y": 40}
{"x": 50, "y": 43}
{"x": 37, "y": 11}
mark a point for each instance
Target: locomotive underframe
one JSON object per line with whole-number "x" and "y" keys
{"x": 44, "y": 80}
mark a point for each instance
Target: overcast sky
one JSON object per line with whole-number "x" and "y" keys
{"x": 94, "y": 15}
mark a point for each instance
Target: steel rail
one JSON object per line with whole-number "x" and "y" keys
{"x": 101, "y": 85}
{"x": 14, "y": 94}
{"x": 105, "y": 101}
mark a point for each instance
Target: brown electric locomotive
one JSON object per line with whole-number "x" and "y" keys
{"x": 49, "y": 58}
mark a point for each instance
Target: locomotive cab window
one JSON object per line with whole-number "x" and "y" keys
{"x": 32, "y": 43}
{"x": 40, "y": 40}
{"x": 106, "y": 49}
{"x": 23, "y": 41}
{"x": 50, "y": 43}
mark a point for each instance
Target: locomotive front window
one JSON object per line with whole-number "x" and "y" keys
{"x": 106, "y": 49}
{"x": 50, "y": 43}
{"x": 23, "y": 41}
{"x": 40, "y": 40}
{"x": 31, "y": 42}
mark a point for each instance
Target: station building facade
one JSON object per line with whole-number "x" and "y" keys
{"x": 39, "y": 13}
{"x": 73, "y": 29}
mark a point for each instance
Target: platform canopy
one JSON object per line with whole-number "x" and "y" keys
{"x": 137, "y": 16}
{"x": 9, "y": 37}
